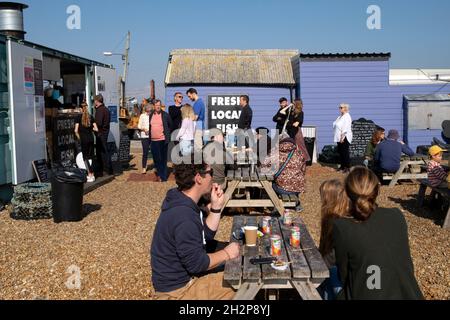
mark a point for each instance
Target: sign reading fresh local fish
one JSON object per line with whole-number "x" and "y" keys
{"x": 224, "y": 112}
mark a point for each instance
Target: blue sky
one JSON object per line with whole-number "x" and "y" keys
{"x": 415, "y": 32}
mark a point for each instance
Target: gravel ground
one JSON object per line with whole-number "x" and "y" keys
{"x": 109, "y": 249}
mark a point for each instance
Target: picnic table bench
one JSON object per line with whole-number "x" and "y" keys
{"x": 444, "y": 192}
{"x": 243, "y": 178}
{"x": 306, "y": 270}
{"x": 411, "y": 168}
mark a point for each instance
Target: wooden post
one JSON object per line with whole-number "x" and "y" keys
{"x": 152, "y": 90}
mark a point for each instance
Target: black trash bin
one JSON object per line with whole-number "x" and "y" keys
{"x": 309, "y": 142}
{"x": 67, "y": 194}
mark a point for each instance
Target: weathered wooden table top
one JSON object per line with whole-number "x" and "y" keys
{"x": 306, "y": 262}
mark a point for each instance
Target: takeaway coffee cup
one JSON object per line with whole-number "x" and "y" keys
{"x": 251, "y": 234}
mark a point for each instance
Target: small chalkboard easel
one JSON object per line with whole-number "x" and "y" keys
{"x": 41, "y": 170}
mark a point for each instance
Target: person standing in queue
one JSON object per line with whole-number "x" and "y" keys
{"x": 160, "y": 124}
{"x": 343, "y": 136}
{"x": 102, "y": 120}
{"x": 84, "y": 130}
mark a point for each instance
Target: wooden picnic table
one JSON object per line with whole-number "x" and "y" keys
{"x": 244, "y": 178}
{"x": 407, "y": 167}
{"x": 306, "y": 271}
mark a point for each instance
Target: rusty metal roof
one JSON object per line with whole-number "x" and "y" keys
{"x": 228, "y": 67}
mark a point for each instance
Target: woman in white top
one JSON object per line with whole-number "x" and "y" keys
{"x": 144, "y": 128}
{"x": 186, "y": 132}
{"x": 343, "y": 135}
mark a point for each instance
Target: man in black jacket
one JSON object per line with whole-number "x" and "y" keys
{"x": 102, "y": 119}
{"x": 281, "y": 116}
{"x": 175, "y": 112}
{"x": 245, "y": 120}
{"x": 179, "y": 259}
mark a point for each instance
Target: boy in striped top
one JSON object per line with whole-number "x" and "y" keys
{"x": 437, "y": 175}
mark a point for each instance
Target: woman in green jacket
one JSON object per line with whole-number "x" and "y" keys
{"x": 372, "y": 249}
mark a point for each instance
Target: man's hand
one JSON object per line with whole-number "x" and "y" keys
{"x": 233, "y": 250}
{"x": 217, "y": 197}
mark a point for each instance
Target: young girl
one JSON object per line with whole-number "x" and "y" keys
{"x": 84, "y": 130}
{"x": 186, "y": 133}
{"x": 437, "y": 175}
{"x": 335, "y": 205}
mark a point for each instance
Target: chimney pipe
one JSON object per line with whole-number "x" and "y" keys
{"x": 152, "y": 90}
{"x": 11, "y": 19}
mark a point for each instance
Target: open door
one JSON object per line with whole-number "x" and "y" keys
{"x": 106, "y": 84}
{"x": 27, "y": 113}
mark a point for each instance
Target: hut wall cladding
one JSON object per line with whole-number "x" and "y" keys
{"x": 365, "y": 86}
{"x": 263, "y": 100}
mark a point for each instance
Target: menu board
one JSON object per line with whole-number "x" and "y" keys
{"x": 64, "y": 140}
{"x": 362, "y": 134}
{"x": 124, "y": 151}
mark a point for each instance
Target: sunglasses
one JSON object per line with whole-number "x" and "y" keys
{"x": 210, "y": 172}
{"x": 179, "y": 97}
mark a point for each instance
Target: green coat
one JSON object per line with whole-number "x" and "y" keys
{"x": 381, "y": 241}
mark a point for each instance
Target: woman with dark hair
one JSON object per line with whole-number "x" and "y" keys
{"x": 377, "y": 137}
{"x": 335, "y": 205}
{"x": 84, "y": 130}
{"x": 296, "y": 116}
{"x": 372, "y": 249}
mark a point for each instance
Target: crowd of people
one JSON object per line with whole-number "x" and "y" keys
{"x": 356, "y": 234}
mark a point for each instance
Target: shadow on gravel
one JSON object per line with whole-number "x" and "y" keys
{"x": 90, "y": 208}
{"x": 433, "y": 209}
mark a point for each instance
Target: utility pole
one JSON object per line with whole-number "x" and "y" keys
{"x": 126, "y": 63}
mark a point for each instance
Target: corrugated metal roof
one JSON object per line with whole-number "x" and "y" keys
{"x": 213, "y": 66}
{"x": 346, "y": 56}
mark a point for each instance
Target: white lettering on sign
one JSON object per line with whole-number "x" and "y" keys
{"x": 227, "y": 127}
{"x": 225, "y": 101}
{"x": 229, "y": 115}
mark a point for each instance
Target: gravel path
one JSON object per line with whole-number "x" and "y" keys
{"x": 109, "y": 249}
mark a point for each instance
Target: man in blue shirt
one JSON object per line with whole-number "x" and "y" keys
{"x": 199, "y": 107}
{"x": 389, "y": 152}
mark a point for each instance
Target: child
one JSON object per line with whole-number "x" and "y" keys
{"x": 335, "y": 205}
{"x": 437, "y": 175}
{"x": 186, "y": 133}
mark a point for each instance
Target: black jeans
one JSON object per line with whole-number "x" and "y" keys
{"x": 159, "y": 153}
{"x": 344, "y": 154}
{"x": 87, "y": 148}
{"x": 103, "y": 156}
{"x": 145, "y": 149}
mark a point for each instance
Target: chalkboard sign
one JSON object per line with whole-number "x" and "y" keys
{"x": 362, "y": 134}
{"x": 64, "y": 140}
{"x": 124, "y": 151}
{"x": 224, "y": 112}
{"x": 41, "y": 170}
